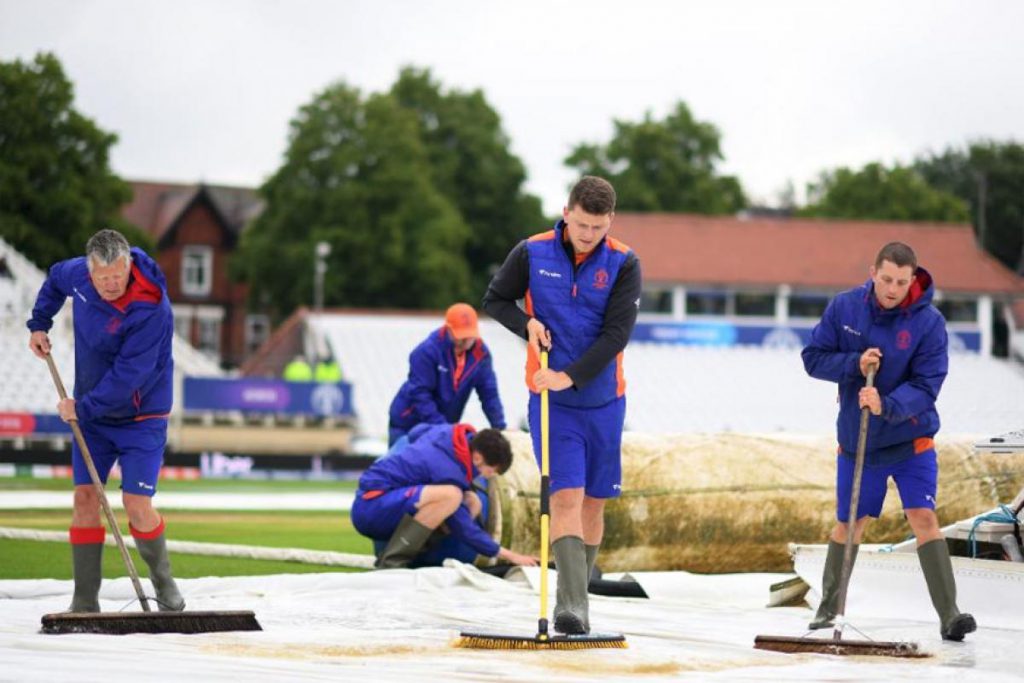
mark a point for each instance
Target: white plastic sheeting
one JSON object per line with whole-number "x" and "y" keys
{"x": 399, "y": 625}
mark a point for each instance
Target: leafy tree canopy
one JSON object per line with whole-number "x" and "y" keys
{"x": 988, "y": 176}
{"x": 56, "y": 186}
{"x": 878, "y": 192}
{"x": 414, "y": 189}
{"x": 667, "y": 165}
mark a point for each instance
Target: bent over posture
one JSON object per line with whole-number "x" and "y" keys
{"x": 123, "y": 386}
{"x": 408, "y": 494}
{"x": 888, "y": 322}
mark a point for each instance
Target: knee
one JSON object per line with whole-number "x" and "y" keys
{"x": 567, "y": 501}
{"x": 86, "y": 498}
{"x": 449, "y": 497}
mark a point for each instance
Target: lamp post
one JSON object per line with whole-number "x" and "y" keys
{"x": 323, "y": 250}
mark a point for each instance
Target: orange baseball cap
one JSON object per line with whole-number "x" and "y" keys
{"x": 461, "y": 320}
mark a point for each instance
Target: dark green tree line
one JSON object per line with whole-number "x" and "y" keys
{"x": 56, "y": 186}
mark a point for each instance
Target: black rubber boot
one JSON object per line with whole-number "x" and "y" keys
{"x": 571, "y": 606}
{"x": 87, "y": 564}
{"x": 154, "y": 552}
{"x": 406, "y": 542}
{"x": 938, "y": 573}
{"x": 830, "y": 578}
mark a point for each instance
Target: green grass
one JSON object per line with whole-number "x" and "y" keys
{"x": 313, "y": 530}
{"x": 196, "y": 486}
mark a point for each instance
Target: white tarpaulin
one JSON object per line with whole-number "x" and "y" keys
{"x": 399, "y": 625}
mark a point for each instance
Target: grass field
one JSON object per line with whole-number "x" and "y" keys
{"x": 314, "y": 530}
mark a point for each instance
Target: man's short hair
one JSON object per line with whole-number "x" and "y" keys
{"x": 106, "y": 247}
{"x": 495, "y": 449}
{"x": 897, "y": 253}
{"x": 594, "y": 195}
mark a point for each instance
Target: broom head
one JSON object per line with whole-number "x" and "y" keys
{"x": 122, "y": 623}
{"x": 498, "y": 641}
{"x": 878, "y": 648}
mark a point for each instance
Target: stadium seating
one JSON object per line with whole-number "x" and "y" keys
{"x": 671, "y": 388}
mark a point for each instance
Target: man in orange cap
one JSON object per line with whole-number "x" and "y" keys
{"x": 443, "y": 370}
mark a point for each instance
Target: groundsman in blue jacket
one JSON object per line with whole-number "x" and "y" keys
{"x": 890, "y": 323}
{"x": 444, "y": 369}
{"x": 427, "y": 481}
{"x": 581, "y": 289}
{"x": 124, "y": 378}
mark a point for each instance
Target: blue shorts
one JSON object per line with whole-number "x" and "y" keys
{"x": 586, "y": 446}
{"x": 916, "y": 479}
{"x": 378, "y": 517}
{"x": 138, "y": 447}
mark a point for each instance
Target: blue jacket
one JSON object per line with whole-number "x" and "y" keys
{"x": 436, "y": 454}
{"x": 571, "y": 302}
{"x": 123, "y": 366}
{"x": 432, "y": 395}
{"x": 912, "y": 339}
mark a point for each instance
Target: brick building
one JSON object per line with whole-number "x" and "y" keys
{"x": 196, "y": 229}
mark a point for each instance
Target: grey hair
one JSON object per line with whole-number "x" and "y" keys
{"x": 106, "y": 247}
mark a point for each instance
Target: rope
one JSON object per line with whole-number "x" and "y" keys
{"x": 249, "y": 552}
{"x": 1004, "y": 516}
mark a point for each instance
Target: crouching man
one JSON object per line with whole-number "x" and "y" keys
{"x": 124, "y": 379}
{"x": 404, "y": 497}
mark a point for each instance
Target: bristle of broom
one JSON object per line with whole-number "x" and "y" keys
{"x": 790, "y": 645}
{"x": 123, "y": 623}
{"x": 490, "y": 643}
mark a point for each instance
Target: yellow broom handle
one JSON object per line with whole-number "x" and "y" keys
{"x": 545, "y": 513}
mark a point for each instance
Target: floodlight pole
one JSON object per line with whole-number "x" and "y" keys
{"x": 323, "y": 250}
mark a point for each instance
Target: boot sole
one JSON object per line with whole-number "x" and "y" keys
{"x": 570, "y": 625}
{"x": 960, "y": 627}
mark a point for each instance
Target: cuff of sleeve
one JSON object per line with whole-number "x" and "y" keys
{"x": 38, "y": 326}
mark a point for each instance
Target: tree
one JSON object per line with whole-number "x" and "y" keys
{"x": 56, "y": 186}
{"x": 877, "y": 192}
{"x": 356, "y": 175}
{"x": 472, "y": 166}
{"x": 989, "y": 176}
{"x": 663, "y": 165}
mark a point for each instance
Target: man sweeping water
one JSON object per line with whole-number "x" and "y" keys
{"x": 888, "y": 322}
{"x": 122, "y": 397}
{"x": 582, "y": 291}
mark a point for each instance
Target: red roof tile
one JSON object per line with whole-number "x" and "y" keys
{"x": 802, "y": 252}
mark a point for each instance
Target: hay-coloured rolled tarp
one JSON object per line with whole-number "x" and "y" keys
{"x": 732, "y": 502}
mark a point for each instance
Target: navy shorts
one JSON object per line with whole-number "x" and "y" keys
{"x": 916, "y": 479}
{"x": 378, "y": 517}
{"x": 585, "y": 448}
{"x": 138, "y": 447}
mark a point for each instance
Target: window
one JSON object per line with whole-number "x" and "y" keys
{"x": 196, "y": 271}
{"x": 183, "y": 322}
{"x": 755, "y": 304}
{"x": 209, "y": 337}
{"x": 807, "y": 305}
{"x": 257, "y": 329}
{"x": 705, "y": 303}
{"x": 208, "y": 328}
{"x": 656, "y": 301}
{"x": 958, "y": 310}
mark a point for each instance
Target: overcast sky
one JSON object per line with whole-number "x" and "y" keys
{"x": 205, "y": 89}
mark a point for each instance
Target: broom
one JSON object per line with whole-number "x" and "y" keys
{"x": 836, "y": 645}
{"x": 147, "y": 621}
{"x": 542, "y": 640}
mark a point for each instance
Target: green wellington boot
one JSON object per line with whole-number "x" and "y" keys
{"x": 87, "y": 563}
{"x": 830, "y": 578}
{"x": 571, "y": 606}
{"x": 406, "y": 542}
{"x": 154, "y": 552}
{"x": 938, "y": 574}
